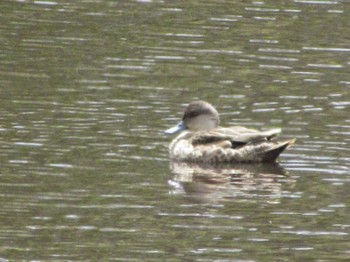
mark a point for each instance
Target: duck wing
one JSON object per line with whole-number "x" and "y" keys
{"x": 236, "y": 136}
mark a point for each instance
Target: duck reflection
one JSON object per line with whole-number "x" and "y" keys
{"x": 243, "y": 182}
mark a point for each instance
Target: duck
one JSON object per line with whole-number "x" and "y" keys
{"x": 202, "y": 140}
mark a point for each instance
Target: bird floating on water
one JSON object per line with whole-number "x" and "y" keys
{"x": 202, "y": 140}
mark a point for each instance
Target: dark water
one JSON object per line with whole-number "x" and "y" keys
{"x": 87, "y": 87}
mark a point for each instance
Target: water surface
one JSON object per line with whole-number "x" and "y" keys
{"x": 87, "y": 88}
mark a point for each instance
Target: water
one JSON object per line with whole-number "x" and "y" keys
{"x": 87, "y": 88}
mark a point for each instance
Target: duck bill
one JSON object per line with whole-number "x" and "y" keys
{"x": 179, "y": 127}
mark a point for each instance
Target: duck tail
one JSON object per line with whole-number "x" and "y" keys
{"x": 272, "y": 154}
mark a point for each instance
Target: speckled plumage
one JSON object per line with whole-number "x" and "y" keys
{"x": 202, "y": 140}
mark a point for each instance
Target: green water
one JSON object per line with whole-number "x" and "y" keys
{"x": 87, "y": 87}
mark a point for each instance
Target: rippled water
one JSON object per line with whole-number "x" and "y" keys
{"x": 87, "y": 88}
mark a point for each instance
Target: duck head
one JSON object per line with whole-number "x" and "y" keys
{"x": 198, "y": 116}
